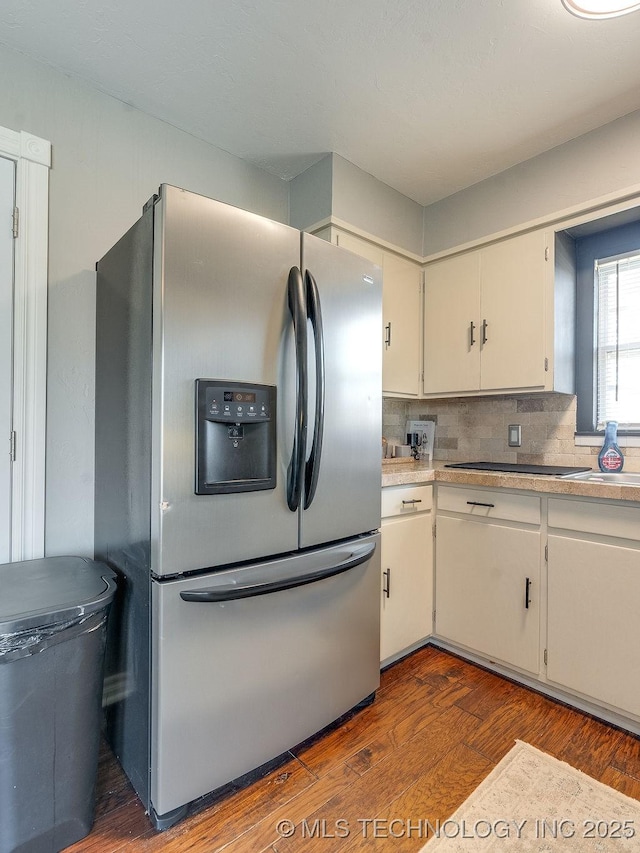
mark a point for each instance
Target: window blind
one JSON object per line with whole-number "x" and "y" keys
{"x": 618, "y": 341}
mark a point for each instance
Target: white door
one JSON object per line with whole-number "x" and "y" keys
{"x": 594, "y": 590}
{"x": 407, "y": 583}
{"x": 482, "y": 594}
{"x": 513, "y": 302}
{"x": 401, "y": 317}
{"x": 452, "y": 325}
{"x": 7, "y": 202}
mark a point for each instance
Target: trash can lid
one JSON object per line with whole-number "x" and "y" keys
{"x": 52, "y": 590}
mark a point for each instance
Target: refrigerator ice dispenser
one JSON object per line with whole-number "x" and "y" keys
{"x": 235, "y": 437}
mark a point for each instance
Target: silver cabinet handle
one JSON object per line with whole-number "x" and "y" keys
{"x": 472, "y": 328}
{"x": 485, "y": 326}
{"x": 387, "y": 334}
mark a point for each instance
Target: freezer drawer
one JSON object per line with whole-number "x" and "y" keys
{"x": 252, "y": 663}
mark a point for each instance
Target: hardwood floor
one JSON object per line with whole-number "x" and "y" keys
{"x": 436, "y": 729}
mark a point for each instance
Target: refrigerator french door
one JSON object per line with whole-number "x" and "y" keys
{"x": 223, "y": 285}
{"x": 238, "y": 424}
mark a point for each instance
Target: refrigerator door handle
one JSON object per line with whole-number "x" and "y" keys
{"x": 233, "y": 592}
{"x": 296, "y": 299}
{"x": 314, "y": 312}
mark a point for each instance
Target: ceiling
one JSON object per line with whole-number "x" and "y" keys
{"x": 429, "y": 96}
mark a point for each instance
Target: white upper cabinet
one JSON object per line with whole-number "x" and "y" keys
{"x": 515, "y": 280}
{"x": 489, "y": 319}
{"x": 401, "y": 312}
{"x": 451, "y": 333}
{"x": 401, "y": 298}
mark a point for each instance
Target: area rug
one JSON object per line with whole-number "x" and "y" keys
{"x": 533, "y": 803}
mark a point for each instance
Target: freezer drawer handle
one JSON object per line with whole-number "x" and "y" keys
{"x": 315, "y": 316}
{"x": 296, "y": 298}
{"x": 231, "y": 593}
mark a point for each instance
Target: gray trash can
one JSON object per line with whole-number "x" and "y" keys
{"x": 53, "y": 616}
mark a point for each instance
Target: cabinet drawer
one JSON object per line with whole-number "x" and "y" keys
{"x": 489, "y": 503}
{"x": 403, "y": 500}
{"x": 606, "y": 519}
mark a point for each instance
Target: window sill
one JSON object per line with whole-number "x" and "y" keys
{"x": 595, "y": 440}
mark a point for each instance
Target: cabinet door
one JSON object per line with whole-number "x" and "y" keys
{"x": 451, "y": 342}
{"x": 513, "y": 282}
{"x": 400, "y": 314}
{"x": 594, "y": 601}
{"x": 407, "y": 583}
{"x": 481, "y": 584}
{"x": 401, "y": 320}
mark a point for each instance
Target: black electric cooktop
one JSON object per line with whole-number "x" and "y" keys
{"x": 516, "y": 468}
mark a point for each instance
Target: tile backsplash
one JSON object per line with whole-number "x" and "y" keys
{"x": 475, "y": 429}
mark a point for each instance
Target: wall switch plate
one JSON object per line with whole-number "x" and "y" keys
{"x": 515, "y": 435}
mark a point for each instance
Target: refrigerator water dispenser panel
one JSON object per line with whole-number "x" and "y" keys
{"x": 235, "y": 437}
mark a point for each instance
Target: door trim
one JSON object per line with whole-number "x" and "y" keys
{"x": 32, "y": 157}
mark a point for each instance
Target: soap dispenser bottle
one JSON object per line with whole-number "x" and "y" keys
{"x": 610, "y": 458}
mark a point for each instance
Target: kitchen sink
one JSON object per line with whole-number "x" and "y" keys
{"x": 618, "y": 479}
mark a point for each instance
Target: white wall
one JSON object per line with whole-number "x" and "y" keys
{"x": 592, "y": 166}
{"x": 378, "y": 209}
{"x": 108, "y": 159}
{"x": 335, "y": 187}
{"x": 603, "y": 161}
{"x": 311, "y": 194}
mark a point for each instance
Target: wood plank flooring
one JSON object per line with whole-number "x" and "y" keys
{"x": 436, "y": 729}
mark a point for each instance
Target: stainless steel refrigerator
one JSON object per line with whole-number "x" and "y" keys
{"x": 238, "y": 428}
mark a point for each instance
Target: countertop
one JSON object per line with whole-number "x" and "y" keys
{"x": 396, "y": 472}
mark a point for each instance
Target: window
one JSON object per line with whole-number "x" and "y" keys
{"x": 617, "y": 341}
{"x": 607, "y": 345}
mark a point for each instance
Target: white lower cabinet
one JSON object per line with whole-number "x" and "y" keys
{"x": 407, "y": 569}
{"x": 488, "y": 574}
{"x": 492, "y": 599}
{"x": 593, "y": 640}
